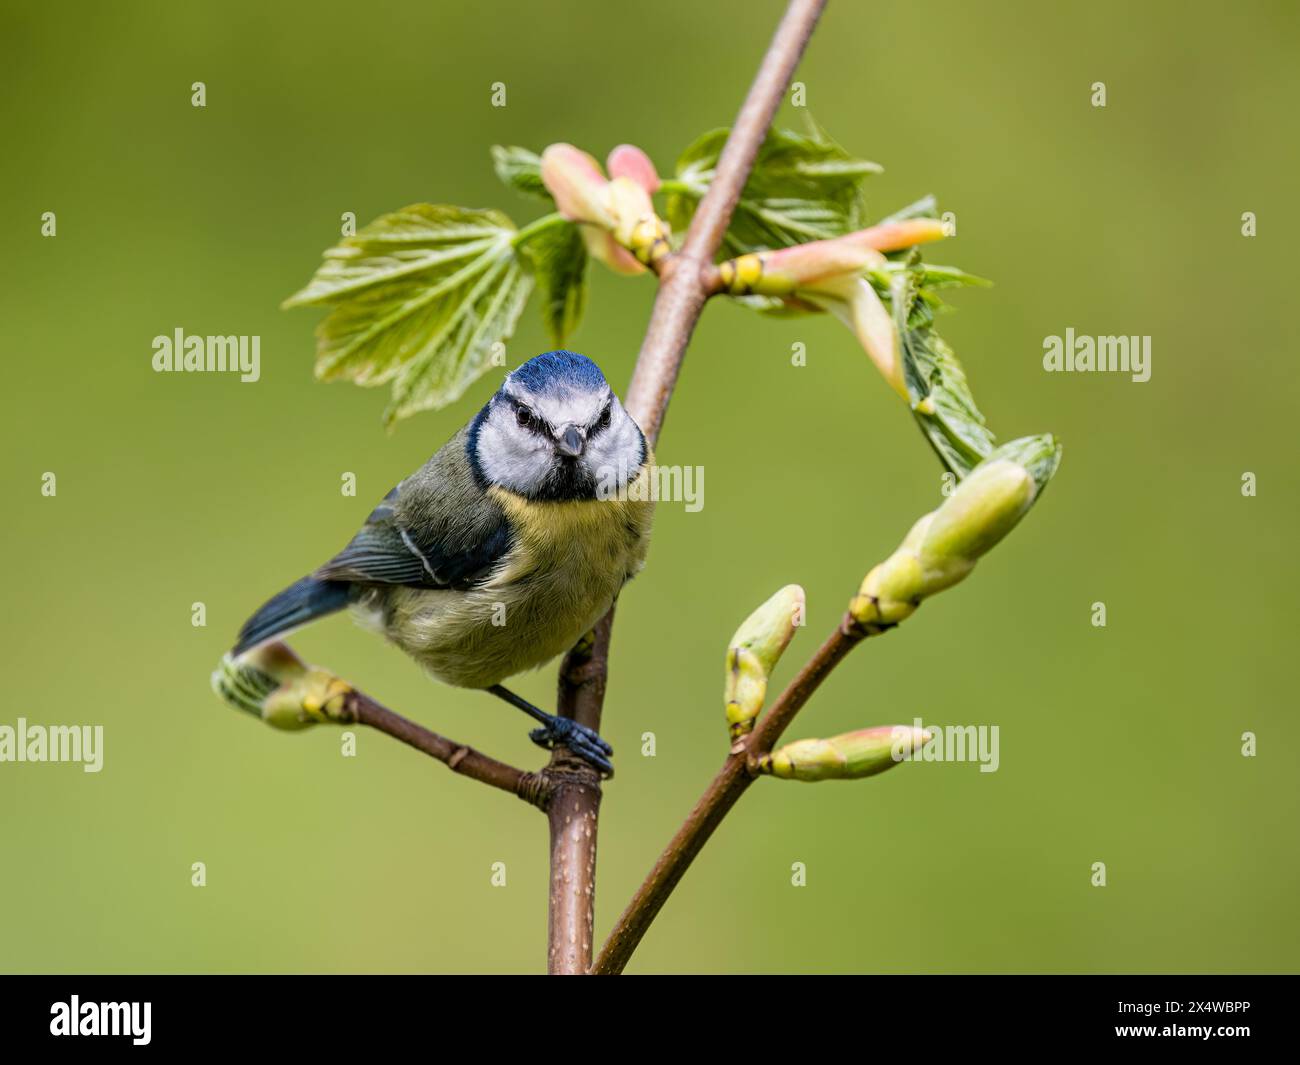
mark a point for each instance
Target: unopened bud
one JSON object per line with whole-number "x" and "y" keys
{"x": 636, "y": 226}
{"x": 602, "y": 247}
{"x": 753, "y": 653}
{"x": 895, "y": 236}
{"x": 829, "y": 275}
{"x": 273, "y": 684}
{"x": 627, "y": 160}
{"x": 809, "y": 267}
{"x": 851, "y": 756}
{"x": 986, "y": 506}
{"x": 943, "y": 546}
{"x": 806, "y": 266}
{"x": 580, "y": 190}
{"x": 618, "y": 220}
{"x": 862, "y": 310}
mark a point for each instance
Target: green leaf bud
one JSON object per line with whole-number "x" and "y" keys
{"x": 850, "y": 756}
{"x": 753, "y": 653}
{"x": 943, "y": 546}
{"x": 274, "y": 685}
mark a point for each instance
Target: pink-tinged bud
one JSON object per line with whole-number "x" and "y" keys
{"x": 828, "y": 275}
{"x": 853, "y": 755}
{"x": 617, "y": 217}
{"x": 857, "y": 306}
{"x": 627, "y": 160}
{"x": 754, "y": 652}
{"x": 602, "y": 247}
{"x": 815, "y": 267}
{"x": 272, "y": 683}
{"x": 580, "y": 190}
{"x": 895, "y": 236}
{"x": 806, "y": 265}
{"x": 629, "y": 206}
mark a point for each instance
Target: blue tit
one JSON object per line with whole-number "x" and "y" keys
{"x": 505, "y": 548}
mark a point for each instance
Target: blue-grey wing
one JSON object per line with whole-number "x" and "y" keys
{"x": 437, "y": 529}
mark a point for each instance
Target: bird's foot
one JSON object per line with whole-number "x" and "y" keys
{"x": 582, "y": 741}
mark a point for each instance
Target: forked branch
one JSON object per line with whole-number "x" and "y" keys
{"x": 887, "y": 302}
{"x": 687, "y": 279}
{"x": 274, "y": 684}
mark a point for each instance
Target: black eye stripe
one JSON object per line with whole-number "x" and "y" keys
{"x": 529, "y": 419}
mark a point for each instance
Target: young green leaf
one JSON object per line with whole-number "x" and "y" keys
{"x": 520, "y": 169}
{"x": 397, "y": 246}
{"x": 802, "y": 188}
{"x": 925, "y": 207}
{"x": 417, "y": 297}
{"x": 558, "y": 257}
{"x": 459, "y": 351}
{"x": 931, "y": 278}
{"x": 942, "y": 402}
{"x": 935, "y": 277}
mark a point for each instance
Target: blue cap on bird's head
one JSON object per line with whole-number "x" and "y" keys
{"x": 555, "y": 431}
{"x": 558, "y": 370}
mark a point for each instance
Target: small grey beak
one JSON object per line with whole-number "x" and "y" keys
{"x": 570, "y": 442}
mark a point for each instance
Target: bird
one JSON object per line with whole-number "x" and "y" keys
{"x": 502, "y": 550}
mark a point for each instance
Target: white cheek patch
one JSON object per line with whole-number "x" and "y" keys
{"x": 511, "y": 455}
{"x": 523, "y": 460}
{"x": 614, "y": 456}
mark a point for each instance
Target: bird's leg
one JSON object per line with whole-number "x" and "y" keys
{"x": 582, "y": 741}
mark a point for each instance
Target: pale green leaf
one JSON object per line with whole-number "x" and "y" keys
{"x": 949, "y": 419}
{"x": 460, "y": 350}
{"x": 802, "y": 188}
{"x": 930, "y": 275}
{"x": 520, "y": 169}
{"x": 397, "y": 246}
{"x": 558, "y": 258}
{"x": 925, "y": 207}
{"x": 412, "y": 297}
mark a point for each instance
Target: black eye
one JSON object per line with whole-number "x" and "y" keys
{"x": 525, "y": 417}
{"x": 602, "y": 422}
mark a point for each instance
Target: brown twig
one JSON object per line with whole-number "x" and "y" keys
{"x": 772, "y": 725}
{"x": 568, "y": 789}
{"x": 574, "y": 795}
{"x": 687, "y": 280}
{"x": 533, "y": 788}
{"x": 311, "y": 695}
{"x": 736, "y": 774}
{"x": 689, "y": 277}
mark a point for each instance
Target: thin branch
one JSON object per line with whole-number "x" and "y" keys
{"x": 830, "y": 654}
{"x": 735, "y": 776}
{"x": 727, "y": 787}
{"x": 273, "y": 684}
{"x": 574, "y": 809}
{"x": 687, "y": 280}
{"x": 458, "y": 757}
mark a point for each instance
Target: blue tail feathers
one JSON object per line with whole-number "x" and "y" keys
{"x": 298, "y": 604}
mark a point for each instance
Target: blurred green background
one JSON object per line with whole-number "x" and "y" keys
{"x": 1119, "y": 744}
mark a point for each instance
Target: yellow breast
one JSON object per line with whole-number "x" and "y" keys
{"x": 598, "y": 540}
{"x": 566, "y": 565}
